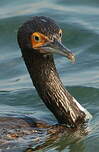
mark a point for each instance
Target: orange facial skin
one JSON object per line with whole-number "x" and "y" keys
{"x": 38, "y": 40}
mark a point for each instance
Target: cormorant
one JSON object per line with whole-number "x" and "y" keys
{"x": 39, "y": 38}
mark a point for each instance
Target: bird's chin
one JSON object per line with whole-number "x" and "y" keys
{"x": 43, "y": 50}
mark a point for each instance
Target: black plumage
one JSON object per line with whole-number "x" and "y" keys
{"x": 44, "y": 75}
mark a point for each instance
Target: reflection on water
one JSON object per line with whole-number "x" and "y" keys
{"x": 18, "y": 98}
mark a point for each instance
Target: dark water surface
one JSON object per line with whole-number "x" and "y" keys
{"x": 80, "y": 23}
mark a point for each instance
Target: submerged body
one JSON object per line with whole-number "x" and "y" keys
{"x": 23, "y": 133}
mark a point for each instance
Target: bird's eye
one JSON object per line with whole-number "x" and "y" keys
{"x": 60, "y": 33}
{"x": 37, "y": 38}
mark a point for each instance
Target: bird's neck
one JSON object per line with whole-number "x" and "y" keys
{"x": 49, "y": 87}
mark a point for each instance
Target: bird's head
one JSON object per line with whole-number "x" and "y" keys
{"x": 42, "y": 35}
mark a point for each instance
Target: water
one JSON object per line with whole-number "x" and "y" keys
{"x": 80, "y": 23}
